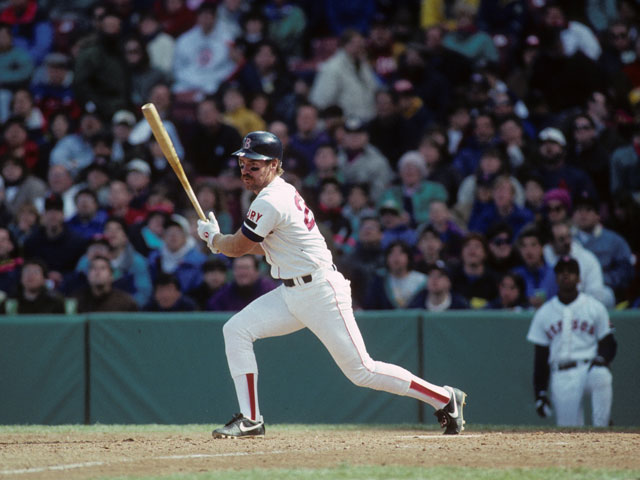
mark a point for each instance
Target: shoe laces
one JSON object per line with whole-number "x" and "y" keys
{"x": 236, "y": 417}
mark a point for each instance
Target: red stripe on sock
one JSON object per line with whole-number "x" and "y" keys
{"x": 425, "y": 391}
{"x": 252, "y": 395}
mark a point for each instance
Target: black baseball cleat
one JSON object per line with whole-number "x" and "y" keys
{"x": 450, "y": 417}
{"x": 240, "y": 427}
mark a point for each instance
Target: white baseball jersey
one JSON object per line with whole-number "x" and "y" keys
{"x": 282, "y": 223}
{"x": 570, "y": 331}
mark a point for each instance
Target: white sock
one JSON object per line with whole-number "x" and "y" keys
{"x": 432, "y": 394}
{"x": 247, "y": 393}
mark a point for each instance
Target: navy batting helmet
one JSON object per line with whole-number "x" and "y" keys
{"x": 260, "y": 146}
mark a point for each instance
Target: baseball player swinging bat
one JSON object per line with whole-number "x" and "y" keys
{"x": 166, "y": 145}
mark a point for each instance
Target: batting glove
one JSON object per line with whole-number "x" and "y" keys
{"x": 543, "y": 406}
{"x": 207, "y": 230}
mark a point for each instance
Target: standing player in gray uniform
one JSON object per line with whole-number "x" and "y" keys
{"x": 574, "y": 346}
{"x": 313, "y": 294}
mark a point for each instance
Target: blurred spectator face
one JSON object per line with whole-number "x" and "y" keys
{"x": 357, "y": 198}
{"x": 245, "y": 272}
{"x": 233, "y": 100}
{"x": 22, "y": 103}
{"x": 208, "y": 114}
{"x": 6, "y": 245}
{"x": 86, "y": 205}
{"x": 32, "y": 278}
{"x": 325, "y": 159}
{"x": 586, "y": 218}
{"x": 60, "y": 126}
{"x": 583, "y": 131}
{"x": 206, "y": 20}
{"x": 556, "y": 211}
{"x": 511, "y": 132}
{"x": 370, "y": 232}
{"x": 265, "y": 58}
{"x": 561, "y": 239}
{"x": 484, "y": 129}
{"x": 306, "y": 119}
{"x": 397, "y": 261}
{"x": 96, "y": 179}
{"x": 12, "y": 170}
{"x": 533, "y": 193}
{"x": 215, "y": 278}
{"x": 438, "y": 282}
{"x": 174, "y": 238}
{"x": 430, "y": 245}
{"x": 331, "y": 196}
{"x": 137, "y": 180}
{"x": 167, "y": 295}
{"x": 531, "y": 251}
{"x": 620, "y": 37}
{"x": 115, "y": 235}
{"x": 355, "y": 141}
{"x": 460, "y": 119}
{"x": 503, "y": 193}
{"x": 89, "y": 125}
{"x": 384, "y": 104}
{"x": 473, "y": 252}
{"x": 160, "y": 96}
{"x": 551, "y": 151}
{"x": 500, "y": 246}
{"x": 508, "y": 291}
{"x": 490, "y": 164}
{"x": 119, "y": 194}
{"x": 100, "y": 275}
{"x": 15, "y": 135}
{"x": 554, "y": 17}
{"x": 438, "y": 214}
{"x": 98, "y": 250}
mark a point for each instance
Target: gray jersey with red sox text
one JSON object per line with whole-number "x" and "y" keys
{"x": 570, "y": 331}
{"x": 281, "y": 222}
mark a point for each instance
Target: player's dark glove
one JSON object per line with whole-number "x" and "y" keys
{"x": 543, "y": 406}
{"x": 598, "y": 362}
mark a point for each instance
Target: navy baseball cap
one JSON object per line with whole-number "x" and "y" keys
{"x": 567, "y": 263}
{"x": 260, "y": 145}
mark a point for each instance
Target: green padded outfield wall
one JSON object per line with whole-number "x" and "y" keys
{"x": 154, "y": 368}
{"x": 42, "y": 369}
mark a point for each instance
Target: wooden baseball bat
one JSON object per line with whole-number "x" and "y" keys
{"x": 160, "y": 133}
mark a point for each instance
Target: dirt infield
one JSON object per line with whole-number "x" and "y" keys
{"x": 82, "y": 454}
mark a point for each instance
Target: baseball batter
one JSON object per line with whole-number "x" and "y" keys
{"x": 574, "y": 346}
{"x": 313, "y": 294}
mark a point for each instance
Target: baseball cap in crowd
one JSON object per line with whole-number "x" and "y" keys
{"x": 551, "y": 134}
{"x": 558, "y": 195}
{"x": 53, "y": 201}
{"x": 390, "y": 206}
{"x": 441, "y": 267}
{"x": 567, "y": 263}
{"x": 138, "y": 165}
{"x": 354, "y": 125}
{"x": 586, "y": 200}
{"x": 123, "y": 117}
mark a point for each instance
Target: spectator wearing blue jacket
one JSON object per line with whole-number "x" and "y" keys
{"x": 178, "y": 255}
{"x": 89, "y": 220}
{"x": 613, "y": 251}
{"x": 539, "y": 277}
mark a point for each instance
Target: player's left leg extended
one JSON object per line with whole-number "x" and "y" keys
{"x": 599, "y": 386}
{"x": 324, "y": 306}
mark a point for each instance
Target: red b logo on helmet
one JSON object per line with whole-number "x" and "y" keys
{"x": 247, "y": 143}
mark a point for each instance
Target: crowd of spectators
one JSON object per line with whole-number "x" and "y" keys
{"x": 451, "y": 151}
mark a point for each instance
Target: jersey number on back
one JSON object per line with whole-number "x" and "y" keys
{"x": 309, "y": 221}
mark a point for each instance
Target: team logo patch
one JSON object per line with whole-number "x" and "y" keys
{"x": 247, "y": 143}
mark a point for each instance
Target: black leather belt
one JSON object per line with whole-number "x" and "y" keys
{"x": 568, "y": 365}
{"x": 289, "y": 282}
